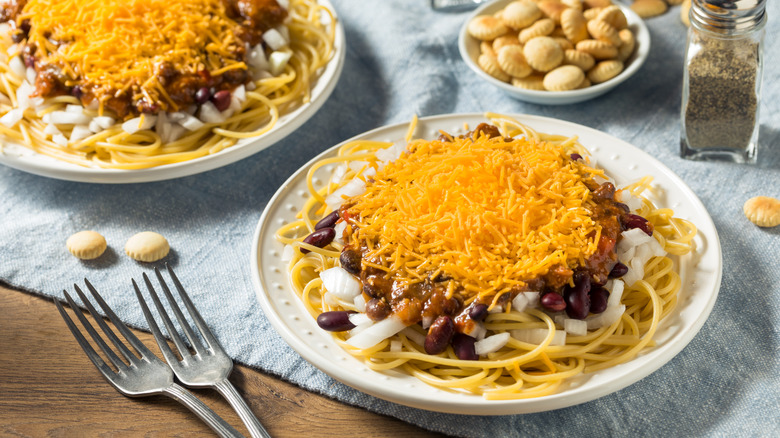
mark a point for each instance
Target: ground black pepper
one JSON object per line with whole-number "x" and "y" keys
{"x": 722, "y": 100}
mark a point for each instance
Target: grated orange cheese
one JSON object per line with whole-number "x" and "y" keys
{"x": 113, "y": 46}
{"x": 488, "y": 212}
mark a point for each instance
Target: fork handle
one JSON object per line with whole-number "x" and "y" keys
{"x": 220, "y": 426}
{"x": 228, "y": 391}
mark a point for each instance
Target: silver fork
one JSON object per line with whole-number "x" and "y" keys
{"x": 210, "y": 365}
{"x": 144, "y": 376}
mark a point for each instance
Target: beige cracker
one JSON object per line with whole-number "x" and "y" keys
{"x": 147, "y": 246}
{"x": 563, "y": 78}
{"x": 532, "y": 82}
{"x": 573, "y": 25}
{"x": 597, "y": 49}
{"x": 86, "y": 245}
{"x": 552, "y": 9}
{"x": 763, "y": 211}
{"x": 542, "y": 27}
{"x": 628, "y": 42}
{"x": 605, "y": 70}
{"x": 580, "y": 59}
{"x": 543, "y": 53}
{"x": 614, "y": 16}
{"x": 486, "y": 28}
{"x": 520, "y": 14}
{"x": 649, "y": 8}
{"x": 513, "y": 62}
{"x": 603, "y": 31}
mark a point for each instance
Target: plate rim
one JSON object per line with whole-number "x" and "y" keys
{"x": 286, "y": 125}
{"x": 477, "y": 405}
{"x": 558, "y": 97}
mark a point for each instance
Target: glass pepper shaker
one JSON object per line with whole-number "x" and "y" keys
{"x": 722, "y": 80}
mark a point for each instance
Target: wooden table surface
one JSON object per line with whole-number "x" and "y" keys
{"x": 48, "y": 387}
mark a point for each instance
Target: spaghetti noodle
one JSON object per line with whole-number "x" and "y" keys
{"x": 497, "y": 263}
{"x": 131, "y": 85}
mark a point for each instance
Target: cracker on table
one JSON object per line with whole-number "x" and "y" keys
{"x": 489, "y": 64}
{"x": 543, "y": 53}
{"x": 86, "y": 245}
{"x": 486, "y": 27}
{"x": 520, "y": 14}
{"x": 147, "y": 246}
{"x": 542, "y": 27}
{"x": 512, "y": 61}
{"x": 649, "y": 8}
{"x": 574, "y": 26}
{"x": 563, "y": 78}
{"x": 605, "y": 70}
{"x": 763, "y": 211}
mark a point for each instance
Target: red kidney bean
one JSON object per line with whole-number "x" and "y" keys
{"x": 464, "y": 347}
{"x": 439, "y": 335}
{"x": 623, "y": 207}
{"x": 605, "y": 191}
{"x": 372, "y": 291}
{"x": 577, "y": 298}
{"x": 202, "y": 96}
{"x": 350, "y": 261}
{"x": 618, "y": 270}
{"x": 576, "y": 157}
{"x": 631, "y": 221}
{"x": 553, "y": 302}
{"x": 221, "y": 100}
{"x": 478, "y": 312}
{"x": 77, "y": 91}
{"x": 328, "y": 221}
{"x": 335, "y": 321}
{"x": 598, "y": 299}
{"x": 320, "y": 238}
{"x": 377, "y": 309}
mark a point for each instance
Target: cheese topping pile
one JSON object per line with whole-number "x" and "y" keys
{"x": 115, "y": 45}
{"x": 484, "y": 211}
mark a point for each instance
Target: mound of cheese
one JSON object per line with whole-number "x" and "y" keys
{"x": 115, "y": 45}
{"x": 485, "y": 211}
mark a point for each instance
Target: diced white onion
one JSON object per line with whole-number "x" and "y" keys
{"x": 191, "y": 123}
{"x": 476, "y": 330}
{"x": 491, "y": 344}
{"x": 339, "y": 173}
{"x": 60, "y": 140}
{"x": 341, "y": 283}
{"x": 66, "y": 118}
{"x": 391, "y": 153}
{"x": 633, "y": 202}
{"x": 396, "y": 346}
{"x": 11, "y": 118}
{"x": 533, "y": 299}
{"x": 104, "y": 122}
{"x": 634, "y": 250}
{"x": 353, "y": 188}
{"x": 339, "y": 229}
{"x": 496, "y": 309}
{"x": 282, "y": 29}
{"x": 163, "y": 126}
{"x": 426, "y": 322}
{"x": 615, "y": 294}
{"x": 360, "y": 320}
{"x": 330, "y": 299}
{"x": 278, "y": 61}
{"x": 17, "y": 66}
{"x": 257, "y": 59}
{"x": 414, "y": 336}
{"x": 284, "y": 3}
{"x": 250, "y": 86}
{"x": 80, "y": 132}
{"x": 287, "y": 253}
{"x": 175, "y": 133}
{"x": 23, "y": 93}
{"x": 240, "y": 93}
{"x": 360, "y": 303}
{"x": 576, "y": 327}
{"x": 538, "y": 335}
{"x": 274, "y": 39}
{"x": 210, "y": 114}
{"x": 94, "y": 126}
{"x": 377, "y": 332}
{"x": 136, "y": 124}
{"x": 51, "y": 130}
{"x": 519, "y": 302}
{"x": 30, "y": 75}
{"x": 71, "y": 108}
{"x": 605, "y": 318}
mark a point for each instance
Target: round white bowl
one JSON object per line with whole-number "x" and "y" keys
{"x": 469, "y": 50}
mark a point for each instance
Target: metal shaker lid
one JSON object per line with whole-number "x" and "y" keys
{"x": 728, "y": 16}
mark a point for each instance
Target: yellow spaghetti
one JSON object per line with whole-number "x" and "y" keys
{"x": 464, "y": 261}
{"x": 142, "y": 83}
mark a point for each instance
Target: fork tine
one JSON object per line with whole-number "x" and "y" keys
{"x": 146, "y": 354}
{"x": 194, "y": 341}
{"x": 106, "y": 329}
{"x": 158, "y": 336}
{"x": 199, "y": 321}
{"x": 166, "y": 320}
{"x": 93, "y": 333}
{"x": 91, "y": 353}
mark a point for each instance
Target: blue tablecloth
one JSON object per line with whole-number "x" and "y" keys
{"x": 402, "y": 59}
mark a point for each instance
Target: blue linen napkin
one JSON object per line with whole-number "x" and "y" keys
{"x": 402, "y": 59}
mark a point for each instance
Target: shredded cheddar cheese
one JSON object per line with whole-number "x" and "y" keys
{"x": 115, "y": 46}
{"x": 486, "y": 211}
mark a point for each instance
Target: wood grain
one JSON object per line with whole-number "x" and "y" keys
{"x": 48, "y": 387}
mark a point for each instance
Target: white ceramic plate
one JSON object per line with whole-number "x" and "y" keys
{"x": 701, "y": 275}
{"x": 21, "y": 158}
{"x": 469, "y": 51}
